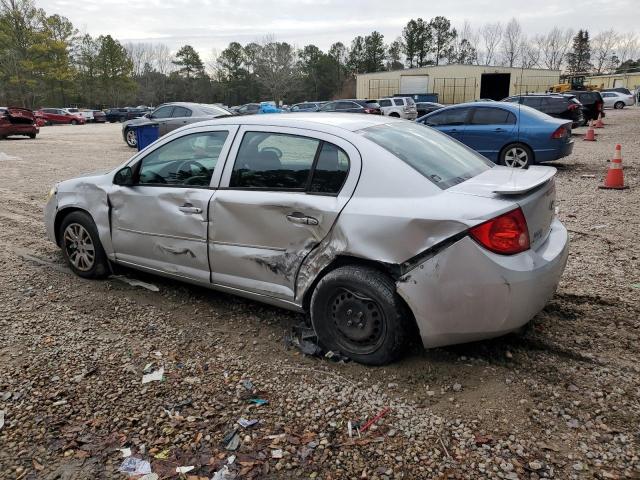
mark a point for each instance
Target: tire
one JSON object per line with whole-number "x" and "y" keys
{"x": 130, "y": 137}
{"x": 48, "y": 123}
{"x": 74, "y": 122}
{"x": 32, "y": 136}
{"x": 618, "y": 105}
{"x": 394, "y": 114}
{"x": 76, "y": 234}
{"x": 378, "y": 333}
{"x": 516, "y": 155}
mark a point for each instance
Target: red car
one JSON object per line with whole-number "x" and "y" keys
{"x": 17, "y": 121}
{"x": 57, "y": 115}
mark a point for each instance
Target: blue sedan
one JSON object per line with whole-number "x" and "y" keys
{"x": 508, "y": 134}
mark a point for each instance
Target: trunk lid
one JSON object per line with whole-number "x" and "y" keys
{"x": 533, "y": 190}
{"x": 20, "y": 115}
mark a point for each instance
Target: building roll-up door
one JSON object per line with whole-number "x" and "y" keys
{"x": 414, "y": 84}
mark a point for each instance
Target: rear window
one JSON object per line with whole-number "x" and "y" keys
{"x": 410, "y": 101}
{"x": 436, "y": 156}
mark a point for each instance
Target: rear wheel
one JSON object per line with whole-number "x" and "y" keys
{"x": 74, "y": 122}
{"x": 130, "y": 137}
{"x": 618, "y": 105}
{"x": 81, "y": 246}
{"x": 516, "y": 155}
{"x": 394, "y": 114}
{"x": 32, "y": 136}
{"x": 356, "y": 311}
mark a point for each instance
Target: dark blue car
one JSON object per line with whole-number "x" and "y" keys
{"x": 508, "y": 134}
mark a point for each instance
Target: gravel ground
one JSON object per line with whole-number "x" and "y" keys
{"x": 559, "y": 401}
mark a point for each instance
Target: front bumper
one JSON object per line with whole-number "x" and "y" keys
{"x": 50, "y": 210}
{"x": 466, "y": 293}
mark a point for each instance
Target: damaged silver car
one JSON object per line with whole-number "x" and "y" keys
{"x": 378, "y": 228}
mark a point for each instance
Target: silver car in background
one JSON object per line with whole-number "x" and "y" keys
{"x": 617, "y": 100}
{"x": 170, "y": 116}
{"x": 381, "y": 229}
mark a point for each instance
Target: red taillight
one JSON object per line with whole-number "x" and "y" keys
{"x": 573, "y": 106}
{"x": 599, "y": 106}
{"x": 506, "y": 234}
{"x": 559, "y": 133}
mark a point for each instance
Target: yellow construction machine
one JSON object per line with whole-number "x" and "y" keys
{"x": 572, "y": 83}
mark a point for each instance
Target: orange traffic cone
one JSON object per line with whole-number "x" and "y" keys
{"x": 599, "y": 122}
{"x": 615, "y": 177}
{"x": 591, "y": 133}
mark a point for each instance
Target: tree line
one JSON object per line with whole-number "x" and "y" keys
{"x": 45, "y": 60}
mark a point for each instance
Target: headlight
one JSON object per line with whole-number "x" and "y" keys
{"x": 51, "y": 193}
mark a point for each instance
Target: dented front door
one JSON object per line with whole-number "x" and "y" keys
{"x": 272, "y": 210}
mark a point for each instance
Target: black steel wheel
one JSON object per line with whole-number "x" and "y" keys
{"x": 356, "y": 311}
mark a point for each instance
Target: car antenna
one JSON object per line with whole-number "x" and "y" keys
{"x": 520, "y": 99}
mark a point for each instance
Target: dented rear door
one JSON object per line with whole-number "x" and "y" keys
{"x": 281, "y": 193}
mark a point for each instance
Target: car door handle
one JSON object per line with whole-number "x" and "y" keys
{"x": 301, "y": 219}
{"x": 188, "y": 208}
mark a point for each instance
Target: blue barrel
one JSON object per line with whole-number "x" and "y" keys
{"x": 146, "y": 134}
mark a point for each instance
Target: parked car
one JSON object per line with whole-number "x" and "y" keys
{"x": 557, "y": 105}
{"x": 40, "y": 120}
{"x": 306, "y": 107}
{"x": 511, "y": 135}
{"x": 247, "y": 109}
{"x": 54, "y": 116}
{"x": 476, "y": 249}
{"x": 399, "y": 107}
{"x": 623, "y": 90}
{"x": 170, "y": 116}
{"x": 352, "y": 106}
{"x": 422, "y": 108}
{"x": 99, "y": 116}
{"x": 17, "y": 121}
{"x": 617, "y": 100}
{"x": 86, "y": 114}
{"x": 592, "y": 104}
{"x": 123, "y": 114}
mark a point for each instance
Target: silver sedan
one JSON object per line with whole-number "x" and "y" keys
{"x": 379, "y": 228}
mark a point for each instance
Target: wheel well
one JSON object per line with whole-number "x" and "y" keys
{"x": 60, "y": 216}
{"x": 343, "y": 260}
{"x": 533, "y": 154}
{"x": 394, "y": 114}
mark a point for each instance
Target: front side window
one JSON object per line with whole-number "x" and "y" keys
{"x": 180, "y": 112}
{"x": 188, "y": 161}
{"x": 329, "y": 107}
{"x": 274, "y": 161}
{"x": 385, "y": 103}
{"x": 346, "y": 105}
{"x": 454, "y": 116}
{"x": 163, "y": 112}
{"x": 295, "y": 108}
{"x": 424, "y": 148}
{"x": 492, "y": 116}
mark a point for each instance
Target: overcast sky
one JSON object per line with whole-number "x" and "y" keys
{"x": 212, "y": 24}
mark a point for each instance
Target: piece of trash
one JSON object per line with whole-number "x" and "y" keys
{"x": 366, "y": 426}
{"x": 587, "y": 176}
{"x": 4, "y": 156}
{"x": 248, "y": 385}
{"x": 350, "y": 428}
{"x": 5, "y": 396}
{"x": 259, "y": 401}
{"x": 191, "y": 380}
{"x": 277, "y": 453}
{"x": 1, "y": 419}
{"x": 126, "y": 452}
{"x": 134, "y": 282}
{"x": 247, "y": 423}
{"x": 223, "y": 474}
{"x": 304, "y": 339}
{"x": 59, "y": 403}
{"x": 231, "y": 440}
{"x": 135, "y": 466}
{"x": 157, "y": 354}
{"x": 231, "y": 459}
{"x": 635, "y": 285}
{"x": 163, "y": 455}
{"x": 149, "y": 476}
{"x": 184, "y": 469}
{"x": 155, "y": 376}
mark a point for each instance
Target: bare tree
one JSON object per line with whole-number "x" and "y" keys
{"x": 529, "y": 53}
{"x": 511, "y": 43}
{"x": 141, "y": 54}
{"x": 553, "y": 47}
{"x": 603, "y": 47}
{"x": 491, "y": 34}
{"x": 163, "y": 59}
{"x": 628, "y": 47}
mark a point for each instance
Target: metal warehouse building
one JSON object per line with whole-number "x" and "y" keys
{"x": 628, "y": 80}
{"x": 456, "y": 83}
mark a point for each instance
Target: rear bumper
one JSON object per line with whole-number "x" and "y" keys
{"x": 548, "y": 155}
{"x": 17, "y": 129}
{"x": 466, "y": 293}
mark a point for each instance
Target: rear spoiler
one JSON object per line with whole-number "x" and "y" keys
{"x": 534, "y": 177}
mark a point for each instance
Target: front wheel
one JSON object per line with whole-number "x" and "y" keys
{"x": 81, "y": 246}
{"x": 618, "y": 105}
{"x": 356, "y": 311}
{"x": 74, "y": 122}
{"x": 32, "y": 136}
{"x": 516, "y": 155}
{"x": 130, "y": 137}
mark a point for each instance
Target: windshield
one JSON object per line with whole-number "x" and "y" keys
{"x": 441, "y": 159}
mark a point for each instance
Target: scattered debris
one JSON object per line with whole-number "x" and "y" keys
{"x": 248, "y": 385}
{"x": 367, "y": 425}
{"x": 4, "y": 156}
{"x": 231, "y": 440}
{"x": 243, "y": 422}
{"x": 59, "y": 403}
{"x": 304, "y": 339}
{"x": 155, "y": 376}
{"x": 149, "y": 476}
{"x": 1, "y": 419}
{"x": 134, "y": 282}
{"x": 135, "y": 466}
{"x": 223, "y": 474}
{"x": 184, "y": 469}
{"x": 163, "y": 455}
{"x": 587, "y": 176}
{"x": 126, "y": 452}
{"x": 277, "y": 453}
{"x": 258, "y": 401}
{"x": 635, "y": 285}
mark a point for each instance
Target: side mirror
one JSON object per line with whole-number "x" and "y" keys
{"x": 124, "y": 177}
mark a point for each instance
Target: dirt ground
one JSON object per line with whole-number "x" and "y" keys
{"x": 562, "y": 400}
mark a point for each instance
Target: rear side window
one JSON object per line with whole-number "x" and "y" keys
{"x": 346, "y": 105}
{"x": 492, "y": 116}
{"x": 533, "y": 102}
{"x": 329, "y": 107}
{"x": 424, "y": 148}
{"x": 163, "y": 112}
{"x": 180, "y": 112}
{"x": 398, "y": 102}
{"x": 454, "y": 116}
{"x": 385, "y": 103}
{"x": 331, "y": 170}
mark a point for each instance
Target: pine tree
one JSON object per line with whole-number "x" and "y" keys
{"x": 189, "y": 62}
{"x": 579, "y": 59}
